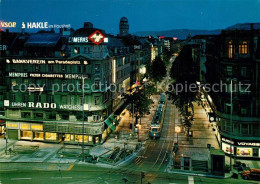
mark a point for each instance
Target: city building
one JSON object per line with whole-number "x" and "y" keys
{"x": 233, "y": 58}
{"x": 68, "y": 86}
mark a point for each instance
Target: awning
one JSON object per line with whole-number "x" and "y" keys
{"x": 110, "y": 124}
{"x": 2, "y": 122}
{"x": 114, "y": 120}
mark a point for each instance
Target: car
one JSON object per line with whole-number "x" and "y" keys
{"x": 251, "y": 174}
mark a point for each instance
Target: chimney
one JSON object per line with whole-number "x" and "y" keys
{"x": 88, "y": 25}
{"x": 252, "y": 26}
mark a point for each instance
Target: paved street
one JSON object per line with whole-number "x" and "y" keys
{"x": 151, "y": 160}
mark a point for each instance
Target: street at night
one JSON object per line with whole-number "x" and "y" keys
{"x": 130, "y": 91}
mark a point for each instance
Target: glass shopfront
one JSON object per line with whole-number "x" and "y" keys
{"x": 226, "y": 148}
{"x": 239, "y": 148}
{"x": 38, "y": 136}
{"x": 243, "y": 151}
{"x": 51, "y": 136}
{"x": 26, "y": 134}
{"x": 78, "y": 138}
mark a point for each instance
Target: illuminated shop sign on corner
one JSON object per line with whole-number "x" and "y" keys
{"x": 40, "y": 105}
{"x": 43, "y": 25}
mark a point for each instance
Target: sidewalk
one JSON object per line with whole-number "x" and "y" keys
{"x": 196, "y": 147}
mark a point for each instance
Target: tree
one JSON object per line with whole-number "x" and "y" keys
{"x": 140, "y": 102}
{"x": 157, "y": 70}
{"x": 184, "y": 74}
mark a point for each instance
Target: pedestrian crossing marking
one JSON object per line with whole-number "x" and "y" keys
{"x": 191, "y": 179}
{"x": 70, "y": 167}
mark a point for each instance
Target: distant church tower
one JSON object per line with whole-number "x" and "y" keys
{"x": 124, "y": 26}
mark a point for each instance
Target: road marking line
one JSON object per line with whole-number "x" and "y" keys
{"x": 60, "y": 177}
{"x": 70, "y": 167}
{"x": 21, "y": 178}
{"x": 191, "y": 179}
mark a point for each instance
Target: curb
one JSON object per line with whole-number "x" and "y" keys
{"x": 201, "y": 175}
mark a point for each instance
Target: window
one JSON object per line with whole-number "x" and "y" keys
{"x": 38, "y": 98}
{"x": 37, "y": 68}
{"x": 25, "y": 98}
{"x": 26, "y": 115}
{"x": 229, "y": 70}
{"x": 97, "y": 86}
{"x": 76, "y": 50}
{"x": 244, "y": 128}
{"x": 96, "y": 117}
{"x": 230, "y": 50}
{"x": 97, "y": 68}
{"x": 38, "y": 115}
{"x": 243, "y": 71}
{"x": 51, "y": 99}
{"x": 243, "y": 111}
{"x": 64, "y": 99}
{"x": 51, "y": 68}
{"x": 97, "y": 100}
{"x": 79, "y": 69}
{"x": 86, "y": 50}
{"x": 243, "y": 48}
{"x": 14, "y": 83}
{"x": 63, "y": 68}
{"x": 13, "y": 97}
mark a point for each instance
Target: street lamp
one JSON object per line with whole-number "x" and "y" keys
{"x": 177, "y": 130}
{"x": 139, "y": 126}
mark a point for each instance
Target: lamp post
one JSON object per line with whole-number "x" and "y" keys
{"x": 231, "y": 120}
{"x": 177, "y": 130}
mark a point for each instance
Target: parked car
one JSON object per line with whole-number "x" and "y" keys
{"x": 240, "y": 166}
{"x": 252, "y": 174}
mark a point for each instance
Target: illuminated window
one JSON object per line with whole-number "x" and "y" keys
{"x": 78, "y": 138}
{"x": 76, "y": 50}
{"x": 26, "y": 134}
{"x": 229, "y": 70}
{"x": 230, "y": 50}
{"x": 38, "y": 136}
{"x": 50, "y": 136}
{"x": 243, "y": 48}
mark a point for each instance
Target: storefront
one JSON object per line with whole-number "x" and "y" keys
{"x": 241, "y": 148}
{"x": 2, "y": 127}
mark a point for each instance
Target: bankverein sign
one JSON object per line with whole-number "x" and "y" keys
{"x": 39, "y": 105}
{"x": 43, "y": 61}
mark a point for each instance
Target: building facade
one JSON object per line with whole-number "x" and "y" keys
{"x": 67, "y": 87}
{"x": 233, "y": 58}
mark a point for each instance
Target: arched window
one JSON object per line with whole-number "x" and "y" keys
{"x": 244, "y": 48}
{"x": 230, "y": 49}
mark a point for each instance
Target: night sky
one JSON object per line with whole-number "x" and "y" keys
{"x": 143, "y": 15}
